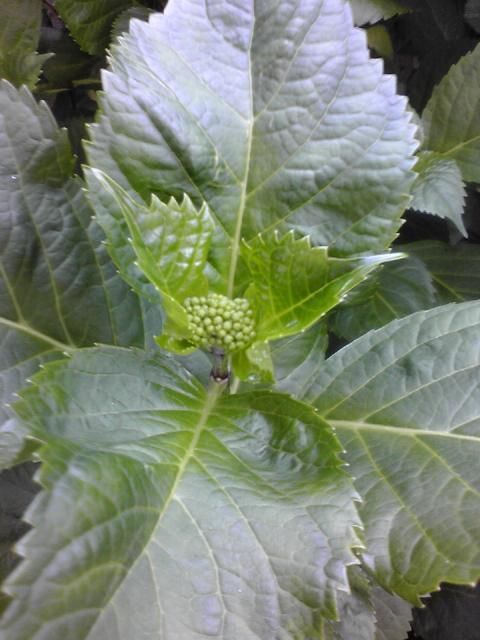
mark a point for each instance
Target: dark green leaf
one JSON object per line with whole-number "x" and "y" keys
{"x": 170, "y": 511}
{"x": 58, "y": 288}
{"x": 20, "y": 22}
{"x": 400, "y": 288}
{"x": 451, "y": 118}
{"x": 90, "y": 21}
{"x": 404, "y": 403}
{"x": 455, "y": 270}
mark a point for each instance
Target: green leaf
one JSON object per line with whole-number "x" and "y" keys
{"x": 379, "y": 40}
{"x": 400, "y": 288}
{"x": 122, "y": 22}
{"x": 370, "y": 11}
{"x": 393, "y": 615}
{"x": 404, "y": 403}
{"x": 451, "y": 118}
{"x": 306, "y": 135}
{"x": 90, "y": 21}
{"x": 296, "y": 358}
{"x": 455, "y": 270}
{"x": 20, "y": 22}
{"x": 294, "y": 284}
{"x": 58, "y": 288}
{"x": 171, "y": 241}
{"x": 172, "y": 510}
{"x": 357, "y": 616}
{"x": 439, "y": 188}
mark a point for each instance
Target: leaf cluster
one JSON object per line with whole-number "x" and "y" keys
{"x": 254, "y": 190}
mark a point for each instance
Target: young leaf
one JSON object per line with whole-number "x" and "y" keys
{"x": 400, "y": 288}
{"x": 439, "y": 188}
{"x": 20, "y": 22}
{"x": 90, "y": 21}
{"x": 58, "y": 288}
{"x": 451, "y": 118}
{"x": 307, "y": 134}
{"x": 171, "y": 241}
{"x": 403, "y": 401}
{"x": 294, "y": 284}
{"x": 196, "y": 514}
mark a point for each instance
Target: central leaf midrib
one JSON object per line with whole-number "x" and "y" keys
{"x": 243, "y": 194}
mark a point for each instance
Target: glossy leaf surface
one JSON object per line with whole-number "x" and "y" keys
{"x": 404, "y": 402}
{"x": 307, "y": 134}
{"x": 197, "y": 514}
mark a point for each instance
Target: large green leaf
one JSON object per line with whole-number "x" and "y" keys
{"x": 90, "y": 21}
{"x": 404, "y": 403}
{"x": 58, "y": 287}
{"x": 451, "y": 118}
{"x": 169, "y": 511}
{"x": 20, "y": 22}
{"x": 307, "y": 134}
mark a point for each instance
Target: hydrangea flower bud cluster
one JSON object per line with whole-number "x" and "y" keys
{"x": 218, "y": 321}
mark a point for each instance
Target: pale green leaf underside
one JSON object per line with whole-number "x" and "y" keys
{"x": 400, "y": 288}
{"x": 170, "y": 512}
{"x": 451, "y": 118}
{"x": 404, "y": 401}
{"x": 438, "y": 188}
{"x": 306, "y": 134}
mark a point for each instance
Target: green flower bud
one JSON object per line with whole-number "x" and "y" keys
{"x": 216, "y": 321}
